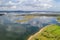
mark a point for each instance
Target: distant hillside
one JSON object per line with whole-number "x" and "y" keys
{"x": 31, "y": 11}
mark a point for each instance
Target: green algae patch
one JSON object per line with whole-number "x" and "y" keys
{"x": 50, "y": 32}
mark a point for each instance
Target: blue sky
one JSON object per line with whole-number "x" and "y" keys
{"x": 30, "y": 5}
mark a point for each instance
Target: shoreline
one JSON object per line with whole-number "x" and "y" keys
{"x": 38, "y": 32}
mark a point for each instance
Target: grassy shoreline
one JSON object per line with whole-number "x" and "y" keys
{"x": 45, "y": 33}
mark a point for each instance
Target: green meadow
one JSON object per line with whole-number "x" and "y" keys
{"x": 50, "y": 32}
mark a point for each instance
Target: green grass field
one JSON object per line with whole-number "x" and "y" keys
{"x": 50, "y": 32}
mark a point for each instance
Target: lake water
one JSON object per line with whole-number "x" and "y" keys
{"x": 14, "y": 27}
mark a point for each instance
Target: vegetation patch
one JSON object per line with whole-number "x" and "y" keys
{"x": 50, "y": 32}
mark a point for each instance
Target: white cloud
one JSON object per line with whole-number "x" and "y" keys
{"x": 14, "y": 7}
{"x": 46, "y": 6}
{"x": 30, "y": 5}
{"x": 10, "y": 2}
{"x": 0, "y": 2}
{"x": 45, "y": 0}
{"x": 37, "y": 4}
